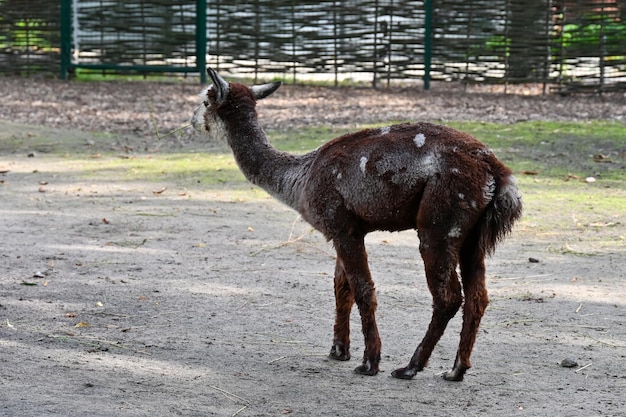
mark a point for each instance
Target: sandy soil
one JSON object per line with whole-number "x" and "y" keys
{"x": 119, "y": 301}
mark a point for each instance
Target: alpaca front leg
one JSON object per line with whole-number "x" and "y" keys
{"x": 371, "y": 355}
{"x": 344, "y": 299}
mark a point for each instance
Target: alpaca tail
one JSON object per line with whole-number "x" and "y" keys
{"x": 503, "y": 210}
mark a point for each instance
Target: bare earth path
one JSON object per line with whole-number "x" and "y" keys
{"x": 119, "y": 301}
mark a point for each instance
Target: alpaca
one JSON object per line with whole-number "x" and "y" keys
{"x": 439, "y": 181}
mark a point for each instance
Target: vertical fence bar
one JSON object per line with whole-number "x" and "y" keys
{"x": 257, "y": 39}
{"x": 428, "y": 41}
{"x": 561, "y": 46}
{"x": 546, "y": 63}
{"x": 508, "y": 13}
{"x": 294, "y": 42}
{"x": 66, "y": 37}
{"x": 603, "y": 20}
{"x": 468, "y": 46}
{"x": 201, "y": 46}
{"x": 390, "y": 47}
{"x": 335, "y": 45}
{"x": 375, "y": 57}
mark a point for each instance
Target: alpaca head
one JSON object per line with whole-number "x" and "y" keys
{"x": 206, "y": 118}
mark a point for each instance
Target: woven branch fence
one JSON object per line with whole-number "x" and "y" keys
{"x": 577, "y": 45}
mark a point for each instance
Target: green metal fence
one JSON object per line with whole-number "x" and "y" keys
{"x": 29, "y": 36}
{"x": 141, "y": 36}
{"x": 573, "y": 45}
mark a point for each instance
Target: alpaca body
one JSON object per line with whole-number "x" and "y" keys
{"x": 380, "y": 182}
{"x": 442, "y": 182}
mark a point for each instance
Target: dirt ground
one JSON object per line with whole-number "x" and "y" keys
{"x": 116, "y": 300}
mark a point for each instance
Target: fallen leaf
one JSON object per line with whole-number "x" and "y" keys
{"x": 70, "y": 314}
{"x": 602, "y": 158}
{"x": 42, "y": 190}
{"x": 159, "y": 191}
{"x": 82, "y": 324}
{"x": 105, "y": 221}
{"x": 530, "y": 172}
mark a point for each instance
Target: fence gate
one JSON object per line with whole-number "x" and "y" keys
{"x": 142, "y": 36}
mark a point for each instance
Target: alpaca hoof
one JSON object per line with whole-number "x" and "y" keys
{"x": 455, "y": 374}
{"x": 339, "y": 352}
{"x": 404, "y": 373}
{"x": 366, "y": 369}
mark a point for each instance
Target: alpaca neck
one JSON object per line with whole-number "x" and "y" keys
{"x": 279, "y": 173}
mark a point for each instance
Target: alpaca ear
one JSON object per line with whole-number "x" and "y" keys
{"x": 262, "y": 91}
{"x": 221, "y": 86}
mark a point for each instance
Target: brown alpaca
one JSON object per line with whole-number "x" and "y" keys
{"x": 444, "y": 183}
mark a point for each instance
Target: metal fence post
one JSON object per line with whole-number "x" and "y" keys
{"x": 66, "y": 37}
{"x": 201, "y": 47}
{"x": 428, "y": 39}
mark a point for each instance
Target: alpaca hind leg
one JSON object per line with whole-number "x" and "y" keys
{"x": 443, "y": 283}
{"x": 351, "y": 251}
{"x": 344, "y": 299}
{"x": 476, "y": 300}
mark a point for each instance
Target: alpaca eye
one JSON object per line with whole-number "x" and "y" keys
{"x": 206, "y": 103}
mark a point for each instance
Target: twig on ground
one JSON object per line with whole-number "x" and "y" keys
{"x": 605, "y": 343}
{"x": 280, "y": 358}
{"x": 277, "y": 359}
{"x": 584, "y": 367}
{"x": 230, "y": 395}
{"x": 521, "y": 277}
{"x": 239, "y": 411}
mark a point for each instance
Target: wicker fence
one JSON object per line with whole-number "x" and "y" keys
{"x": 577, "y": 45}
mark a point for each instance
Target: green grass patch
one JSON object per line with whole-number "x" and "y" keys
{"x": 557, "y": 149}
{"x": 200, "y": 169}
